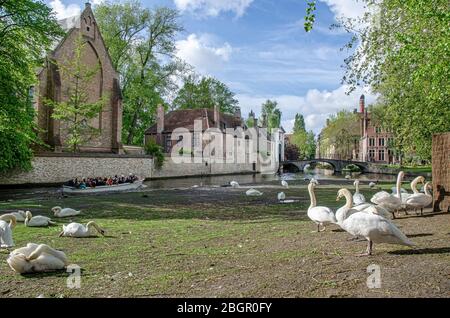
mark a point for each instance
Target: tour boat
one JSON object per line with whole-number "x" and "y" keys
{"x": 138, "y": 184}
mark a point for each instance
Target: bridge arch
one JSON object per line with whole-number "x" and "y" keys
{"x": 338, "y": 165}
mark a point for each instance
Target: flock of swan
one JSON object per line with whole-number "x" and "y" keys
{"x": 41, "y": 257}
{"x": 371, "y": 221}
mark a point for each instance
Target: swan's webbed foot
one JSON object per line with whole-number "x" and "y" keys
{"x": 369, "y": 249}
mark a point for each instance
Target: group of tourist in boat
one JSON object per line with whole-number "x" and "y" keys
{"x": 84, "y": 183}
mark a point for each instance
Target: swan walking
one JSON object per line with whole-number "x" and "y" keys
{"x": 36, "y": 258}
{"x": 284, "y": 184}
{"x": 373, "y": 227}
{"x": 391, "y": 202}
{"x": 420, "y": 200}
{"x": 358, "y": 198}
{"x": 61, "y": 213}
{"x": 281, "y": 196}
{"x": 7, "y": 223}
{"x": 320, "y": 215}
{"x": 234, "y": 184}
{"x": 253, "y": 193}
{"x": 79, "y": 230}
{"x": 37, "y": 221}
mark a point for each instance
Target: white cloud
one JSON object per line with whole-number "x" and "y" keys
{"x": 203, "y": 52}
{"x": 213, "y": 7}
{"x": 63, "y": 11}
{"x": 346, "y": 8}
{"x": 315, "y": 105}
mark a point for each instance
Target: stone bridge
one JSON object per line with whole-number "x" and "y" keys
{"x": 338, "y": 165}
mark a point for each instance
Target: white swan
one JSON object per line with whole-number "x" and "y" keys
{"x": 320, "y": 215}
{"x": 20, "y": 215}
{"x": 358, "y": 198}
{"x": 60, "y": 213}
{"x": 372, "y": 185}
{"x": 375, "y": 228}
{"x": 36, "y": 258}
{"x": 281, "y": 196}
{"x": 7, "y": 223}
{"x": 234, "y": 184}
{"x": 37, "y": 221}
{"x": 253, "y": 193}
{"x": 284, "y": 184}
{"x": 79, "y": 230}
{"x": 391, "y": 202}
{"x": 420, "y": 200}
{"x": 348, "y": 177}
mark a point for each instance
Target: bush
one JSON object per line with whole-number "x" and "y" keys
{"x": 153, "y": 149}
{"x": 352, "y": 168}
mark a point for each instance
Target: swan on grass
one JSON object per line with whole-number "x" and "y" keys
{"x": 7, "y": 223}
{"x": 79, "y": 230}
{"x": 20, "y": 215}
{"x": 36, "y": 258}
{"x": 281, "y": 196}
{"x": 420, "y": 200}
{"x": 374, "y": 228}
{"x": 284, "y": 184}
{"x": 234, "y": 184}
{"x": 37, "y": 221}
{"x": 372, "y": 185}
{"x": 391, "y": 202}
{"x": 320, "y": 215}
{"x": 358, "y": 198}
{"x": 61, "y": 213}
{"x": 253, "y": 193}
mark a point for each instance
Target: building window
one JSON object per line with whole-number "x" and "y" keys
{"x": 381, "y": 155}
{"x": 378, "y": 130}
{"x": 381, "y": 142}
{"x": 371, "y": 142}
{"x": 168, "y": 143}
{"x": 371, "y": 154}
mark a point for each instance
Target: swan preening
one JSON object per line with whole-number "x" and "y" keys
{"x": 37, "y": 221}
{"x": 7, "y": 223}
{"x": 358, "y": 198}
{"x": 61, "y": 213}
{"x": 320, "y": 215}
{"x": 420, "y": 200}
{"x": 284, "y": 184}
{"x": 36, "y": 258}
{"x": 253, "y": 193}
{"x": 368, "y": 224}
{"x": 234, "y": 184}
{"x": 79, "y": 230}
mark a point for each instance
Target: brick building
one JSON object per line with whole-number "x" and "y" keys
{"x": 105, "y": 83}
{"x": 375, "y": 141}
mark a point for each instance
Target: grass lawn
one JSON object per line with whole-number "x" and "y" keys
{"x": 416, "y": 169}
{"x": 209, "y": 242}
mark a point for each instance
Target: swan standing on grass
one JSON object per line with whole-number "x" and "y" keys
{"x": 234, "y": 184}
{"x": 79, "y": 230}
{"x": 420, "y": 200}
{"x": 38, "y": 220}
{"x": 358, "y": 198}
{"x": 391, "y": 202}
{"x": 61, "y": 213}
{"x": 36, "y": 258}
{"x": 375, "y": 228}
{"x": 7, "y": 223}
{"x": 253, "y": 193}
{"x": 284, "y": 184}
{"x": 320, "y": 215}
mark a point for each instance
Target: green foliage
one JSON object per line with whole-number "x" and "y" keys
{"x": 302, "y": 139}
{"x": 299, "y": 123}
{"x": 352, "y": 168}
{"x": 310, "y": 16}
{"x": 77, "y": 111}
{"x": 141, "y": 43}
{"x": 153, "y": 149}
{"x": 205, "y": 92}
{"x": 270, "y": 115}
{"x": 404, "y": 56}
{"x": 27, "y": 29}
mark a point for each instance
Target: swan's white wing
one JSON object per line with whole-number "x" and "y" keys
{"x": 322, "y": 214}
{"x": 379, "y": 196}
{"x": 419, "y": 200}
{"x": 358, "y": 198}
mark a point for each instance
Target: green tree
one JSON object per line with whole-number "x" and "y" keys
{"x": 302, "y": 139}
{"x": 77, "y": 111}
{"x": 270, "y": 114}
{"x": 27, "y": 30}
{"x": 141, "y": 43}
{"x": 205, "y": 92}
{"x": 299, "y": 123}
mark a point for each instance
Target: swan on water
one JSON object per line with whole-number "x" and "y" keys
{"x": 281, "y": 196}
{"x": 36, "y": 258}
{"x": 320, "y": 215}
{"x": 284, "y": 184}
{"x": 253, "y": 193}
{"x": 358, "y": 198}
{"x": 234, "y": 184}
{"x": 37, "y": 221}
{"x": 391, "y": 202}
{"x": 7, "y": 223}
{"x": 79, "y": 230}
{"x": 61, "y": 213}
{"x": 420, "y": 200}
{"x": 374, "y": 228}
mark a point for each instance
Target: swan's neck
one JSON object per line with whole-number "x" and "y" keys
{"x": 312, "y": 195}
{"x": 414, "y": 185}
{"x": 425, "y": 190}
{"x": 399, "y": 185}
{"x": 349, "y": 199}
{"x": 91, "y": 225}
{"x": 356, "y": 187}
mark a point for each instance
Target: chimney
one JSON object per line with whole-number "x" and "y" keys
{"x": 216, "y": 116}
{"x": 160, "y": 119}
{"x": 237, "y": 112}
{"x": 362, "y": 104}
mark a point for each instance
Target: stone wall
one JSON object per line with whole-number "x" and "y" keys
{"x": 53, "y": 169}
{"x": 441, "y": 172}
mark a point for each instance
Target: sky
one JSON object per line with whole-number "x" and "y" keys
{"x": 261, "y": 51}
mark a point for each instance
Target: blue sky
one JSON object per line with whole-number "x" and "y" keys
{"x": 260, "y": 50}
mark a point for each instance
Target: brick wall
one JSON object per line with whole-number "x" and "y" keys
{"x": 441, "y": 172}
